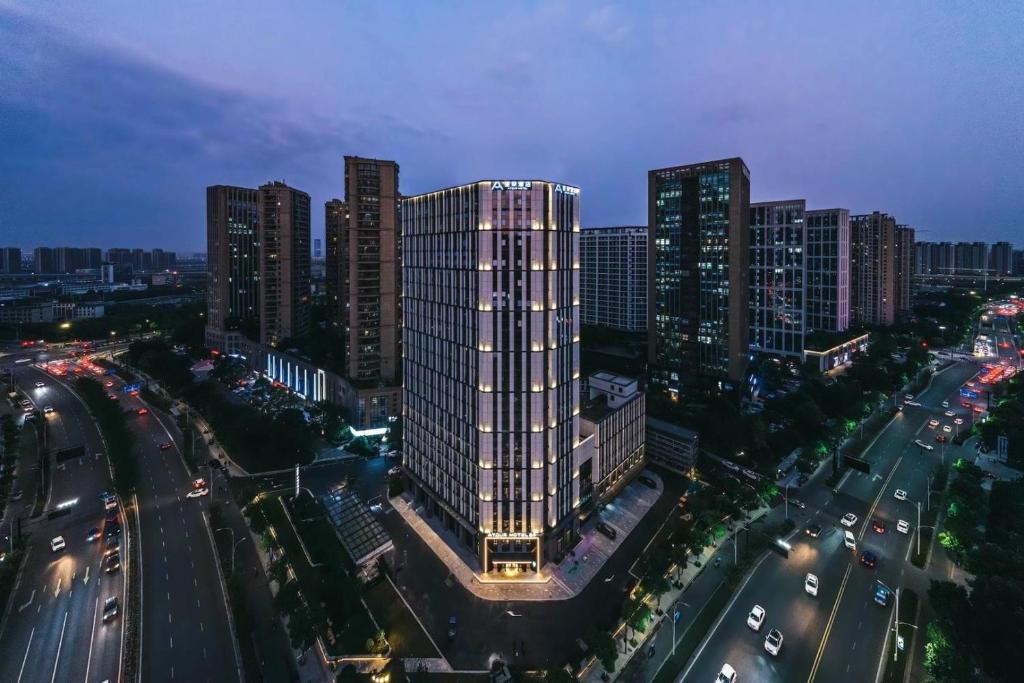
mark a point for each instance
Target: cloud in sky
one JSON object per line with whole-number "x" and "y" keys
{"x": 115, "y": 116}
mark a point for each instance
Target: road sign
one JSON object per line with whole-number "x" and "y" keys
{"x": 676, "y": 615}
{"x": 857, "y": 464}
{"x": 899, "y": 643}
{"x": 1002, "y": 448}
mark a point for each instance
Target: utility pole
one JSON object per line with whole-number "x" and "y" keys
{"x": 918, "y": 529}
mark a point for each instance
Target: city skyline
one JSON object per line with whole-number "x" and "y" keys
{"x": 185, "y": 124}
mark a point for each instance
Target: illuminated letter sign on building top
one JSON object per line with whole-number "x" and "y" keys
{"x": 567, "y": 189}
{"x": 511, "y": 185}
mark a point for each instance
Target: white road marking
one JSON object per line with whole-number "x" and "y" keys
{"x": 60, "y": 643}
{"x": 25, "y": 658}
{"x": 56, "y": 591}
{"x": 85, "y": 579}
{"x": 30, "y": 599}
{"x": 92, "y": 639}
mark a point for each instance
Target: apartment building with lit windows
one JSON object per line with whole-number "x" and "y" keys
{"x": 284, "y": 263}
{"x": 873, "y": 269}
{"x": 827, "y": 279}
{"x": 778, "y": 242}
{"x": 491, "y": 367}
{"x": 613, "y": 277}
{"x": 233, "y": 254}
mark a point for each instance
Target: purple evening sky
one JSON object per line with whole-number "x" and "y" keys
{"x": 115, "y": 115}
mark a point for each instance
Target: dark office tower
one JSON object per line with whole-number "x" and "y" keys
{"x": 827, "y": 282}
{"x": 1018, "y": 262}
{"x": 370, "y": 282}
{"x": 613, "y": 277}
{"x": 698, "y": 265}
{"x": 1000, "y": 259}
{"x": 336, "y": 261}
{"x": 10, "y": 260}
{"x": 872, "y": 269}
{"x": 491, "y": 382}
{"x": 903, "y": 271}
{"x": 233, "y": 249}
{"x": 44, "y": 260}
{"x": 777, "y": 266}
{"x": 284, "y": 263}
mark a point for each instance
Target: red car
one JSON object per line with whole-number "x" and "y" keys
{"x": 165, "y": 445}
{"x": 941, "y": 438}
{"x": 879, "y": 526}
{"x": 108, "y": 384}
{"x": 112, "y": 397}
{"x": 143, "y": 411}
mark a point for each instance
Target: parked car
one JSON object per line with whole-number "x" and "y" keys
{"x": 606, "y": 530}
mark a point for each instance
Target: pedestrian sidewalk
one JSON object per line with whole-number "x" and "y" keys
{"x": 686, "y": 578}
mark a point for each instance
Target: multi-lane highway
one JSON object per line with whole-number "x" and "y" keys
{"x": 837, "y": 635}
{"x": 185, "y": 629}
{"x": 54, "y": 630}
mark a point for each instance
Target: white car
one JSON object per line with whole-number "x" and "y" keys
{"x": 947, "y": 428}
{"x": 900, "y": 494}
{"x": 377, "y": 507}
{"x": 914, "y": 403}
{"x": 196, "y": 493}
{"x": 726, "y": 675}
{"x": 949, "y": 413}
{"x": 922, "y": 444}
{"x": 773, "y": 643}
{"x": 849, "y": 541}
{"x": 849, "y": 519}
{"x": 394, "y": 471}
{"x": 933, "y": 423}
{"x": 57, "y": 544}
{"x": 902, "y": 526}
{"x": 756, "y": 617}
{"x": 945, "y": 404}
{"x": 47, "y": 410}
{"x": 811, "y": 584}
{"x": 40, "y": 385}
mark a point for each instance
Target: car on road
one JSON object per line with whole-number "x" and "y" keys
{"x": 648, "y": 482}
{"x": 907, "y": 398}
{"x": 57, "y": 544}
{"x": 110, "y": 609}
{"x": 40, "y": 385}
{"x": 933, "y": 423}
{"x": 900, "y": 494}
{"x": 113, "y": 544}
{"x": 849, "y": 540}
{"x": 143, "y": 411}
{"x": 749, "y": 474}
{"x": 945, "y": 404}
{"x": 913, "y": 403}
{"x": 197, "y": 493}
{"x": 878, "y": 526}
{"x": 94, "y": 534}
{"x": 394, "y": 471}
{"x": 773, "y": 642}
{"x": 756, "y": 617}
{"x": 882, "y": 595}
{"x": 214, "y": 463}
{"x": 947, "y": 428}
{"x": 811, "y": 584}
{"x": 868, "y": 559}
{"x": 813, "y": 530}
{"x": 109, "y": 502}
{"x": 453, "y": 627}
{"x": 112, "y": 529}
{"x": 164, "y": 445}
{"x": 25, "y": 404}
{"x": 17, "y": 494}
{"x": 949, "y": 413}
{"x": 940, "y": 438}
{"x": 112, "y": 563}
{"x": 47, "y": 410}
{"x": 849, "y": 519}
{"x": 902, "y": 526}
{"x": 958, "y": 421}
{"x": 730, "y": 465}
{"x": 726, "y": 675}
{"x": 112, "y": 397}
{"x": 925, "y": 446}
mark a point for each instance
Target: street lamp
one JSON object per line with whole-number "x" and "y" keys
{"x": 233, "y": 544}
{"x": 896, "y": 620}
{"x": 676, "y": 615}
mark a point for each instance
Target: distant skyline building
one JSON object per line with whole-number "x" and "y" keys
{"x": 613, "y": 277}
{"x": 827, "y": 280}
{"x": 970, "y": 258}
{"x": 10, "y": 260}
{"x": 336, "y": 259}
{"x": 933, "y": 258}
{"x": 284, "y": 262}
{"x": 317, "y": 253}
{"x": 698, "y": 271}
{"x": 233, "y": 255}
{"x": 491, "y": 381}
{"x": 873, "y": 269}
{"x": 1000, "y": 259}
{"x": 777, "y": 277}
{"x": 903, "y": 272}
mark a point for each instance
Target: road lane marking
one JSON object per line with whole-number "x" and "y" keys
{"x": 828, "y": 626}
{"x": 92, "y": 639}
{"x": 56, "y": 591}
{"x": 30, "y": 599}
{"x": 85, "y": 579}
{"x": 60, "y": 643}
{"x": 881, "y": 492}
{"x": 25, "y": 658}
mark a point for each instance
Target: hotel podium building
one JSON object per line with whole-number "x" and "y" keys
{"x": 491, "y": 366}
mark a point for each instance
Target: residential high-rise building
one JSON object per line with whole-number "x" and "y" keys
{"x": 698, "y": 266}
{"x": 44, "y": 260}
{"x": 903, "y": 271}
{"x": 970, "y": 258}
{"x": 778, "y": 249}
{"x": 1018, "y": 261}
{"x": 284, "y": 262}
{"x": 371, "y": 282}
{"x": 233, "y": 254}
{"x": 491, "y": 388}
{"x": 613, "y": 277}
{"x": 1000, "y": 259}
{"x": 827, "y": 281}
{"x": 119, "y": 256}
{"x": 336, "y": 261}
{"x": 872, "y": 269}
{"x": 10, "y": 260}
{"x": 933, "y": 258}
{"x": 163, "y": 260}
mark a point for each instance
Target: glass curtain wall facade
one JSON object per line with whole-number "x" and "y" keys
{"x": 490, "y": 394}
{"x": 698, "y": 261}
{"x": 777, "y": 267}
{"x": 827, "y": 282}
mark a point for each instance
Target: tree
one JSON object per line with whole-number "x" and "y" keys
{"x": 558, "y": 675}
{"x": 302, "y": 628}
{"x": 602, "y": 646}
